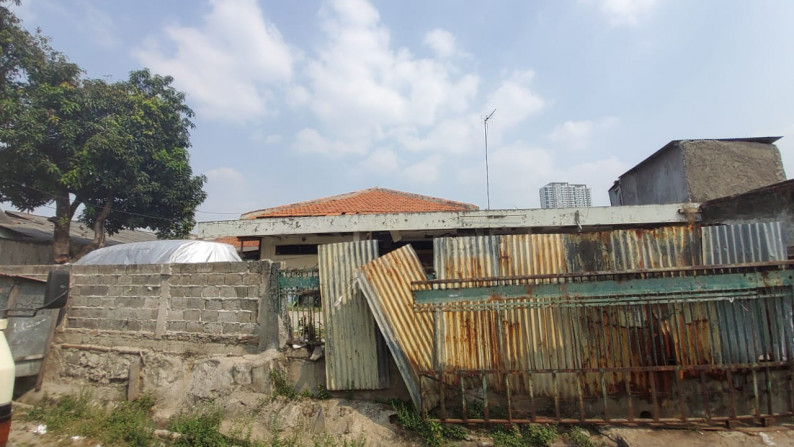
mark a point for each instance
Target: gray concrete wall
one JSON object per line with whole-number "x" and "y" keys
{"x": 24, "y": 253}
{"x": 220, "y": 301}
{"x": 723, "y": 168}
{"x": 31, "y": 271}
{"x": 661, "y": 180}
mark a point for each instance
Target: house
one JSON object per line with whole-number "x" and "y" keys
{"x": 291, "y": 233}
{"x": 300, "y": 250}
{"x": 26, "y": 239}
{"x": 700, "y": 170}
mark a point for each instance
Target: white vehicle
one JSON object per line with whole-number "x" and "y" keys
{"x": 55, "y": 297}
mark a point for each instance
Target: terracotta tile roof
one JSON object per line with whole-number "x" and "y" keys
{"x": 238, "y": 242}
{"x": 365, "y": 201}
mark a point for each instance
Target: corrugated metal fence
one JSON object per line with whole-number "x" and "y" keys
{"x": 522, "y": 329}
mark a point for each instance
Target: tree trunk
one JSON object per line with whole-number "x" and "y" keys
{"x": 99, "y": 228}
{"x": 61, "y": 235}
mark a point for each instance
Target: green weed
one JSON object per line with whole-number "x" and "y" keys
{"x": 579, "y": 437}
{"x": 539, "y": 435}
{"x": 121, "y": 424}
{"x": 280, "y": 385}
{"x": 322, "y": 392}
{"x": 526, "y": 435}
{"x": 434, "y": 434}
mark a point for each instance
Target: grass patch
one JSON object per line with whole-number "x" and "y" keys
{"x": 199, "y": 429}
{"x": 434, "y": 433}
{"x": 120, "y": 424}
{"x": 525, "y": 435}
{"x": 579, "y": 437}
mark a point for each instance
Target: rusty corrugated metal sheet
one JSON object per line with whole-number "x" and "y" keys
{"x": 746, "y": 243}
{"x": 520, "y": 338}
{"x": 525, "y": 338}
{"x": 466, "y": 257}
{"x": 686, "y": 332}
{"x": 409, "y": 335}
{"x": 534, "y": 337}
{"x": 355, "y": 354}
{"x": 636, "y": 249}
{"x": 471, "y": 333}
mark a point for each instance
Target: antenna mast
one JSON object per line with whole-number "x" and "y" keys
{"x": 487, "y": 176}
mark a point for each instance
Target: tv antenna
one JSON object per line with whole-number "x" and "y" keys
{"x": 487, "y": 176}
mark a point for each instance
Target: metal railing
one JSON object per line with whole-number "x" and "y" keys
{"x": 300, "y": 304}
{"x": 700, "y": 344}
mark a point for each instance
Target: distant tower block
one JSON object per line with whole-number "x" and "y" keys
{"x": 564, "y": 195}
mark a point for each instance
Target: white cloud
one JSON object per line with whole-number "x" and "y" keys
{"x": 514, "y": 100}
{"x": 455, "y": 135}
{"x": 381, "y": 160}
{"x": 578, "y": 135}
{"x": 425, "y": 171}
{"x": 361, "y": 88}
{"x": 100, "y": 27}
{"x": 229, "y": 66}
{"x": 309, "y": 140}
{"x": 442, "y": 42}
{"x": 626, "y": 12}
{"x": 274, "y": 139}
{"x": 228, "y": 194}
{"x": 225, "y": 174}
{"x": 96, "y": 26}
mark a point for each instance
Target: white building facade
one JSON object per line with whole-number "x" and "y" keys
{"x": 564, "y": 195}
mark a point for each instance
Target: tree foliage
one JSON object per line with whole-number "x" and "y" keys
{"x": 120, "y": 149}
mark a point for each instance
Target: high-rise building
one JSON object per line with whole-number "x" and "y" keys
{"x": 564, "y": 195}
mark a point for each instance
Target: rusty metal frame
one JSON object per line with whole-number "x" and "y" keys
{"x": 686, "y": 345}
{"x": 304, "y": 314}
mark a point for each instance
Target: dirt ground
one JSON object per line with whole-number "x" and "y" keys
{"x": 373, "y": 423}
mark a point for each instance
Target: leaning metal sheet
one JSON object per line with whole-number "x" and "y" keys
{"x": 386, "y": 284}
{"x": 355, "y": 354}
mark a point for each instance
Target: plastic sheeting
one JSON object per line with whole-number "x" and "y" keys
{"x": 162, "y": 252}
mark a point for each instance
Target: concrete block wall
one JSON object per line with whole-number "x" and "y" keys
{"x": 221, "y": 300}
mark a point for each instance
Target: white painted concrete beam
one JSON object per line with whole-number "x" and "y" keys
{"x": 482, "y": 219}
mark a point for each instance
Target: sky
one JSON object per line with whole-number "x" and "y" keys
{"x": 302, "y": 100}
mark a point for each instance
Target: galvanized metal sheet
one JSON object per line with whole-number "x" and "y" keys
{"x": 355, "y": 353}
{"x": 745, "y": 243}
{"x": 656, "y": 248}
{"x": 742, "y": 243}
{"x": 408, "y": 334}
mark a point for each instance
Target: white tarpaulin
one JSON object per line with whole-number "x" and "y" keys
{"x": 162, "y": 252}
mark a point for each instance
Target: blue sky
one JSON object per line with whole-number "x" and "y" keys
{"x": 300, "y": 100}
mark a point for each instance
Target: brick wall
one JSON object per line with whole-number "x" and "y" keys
{"x": 218, "y": 300}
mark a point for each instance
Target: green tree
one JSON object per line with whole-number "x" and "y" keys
{"x": 133, "y": 171}
{"x": 120, "y": 148}
{"x": 36, "y": 83}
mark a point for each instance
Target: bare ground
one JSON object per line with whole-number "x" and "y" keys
{"x": 309, "y": 421}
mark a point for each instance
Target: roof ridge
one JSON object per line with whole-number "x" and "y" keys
{"x": 339, "y": 197}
